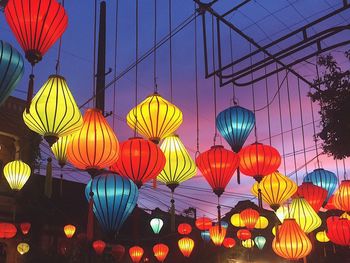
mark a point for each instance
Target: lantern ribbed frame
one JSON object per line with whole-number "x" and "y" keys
{"x": 313, "y": 194}
{"x": 136, "y": 253}
{"x": 249, "y": 217}
{"x": 69, "y": 230}
{"x": 17, "y": 174}
{"x": 217, "y": 234}
{"x": 59, "y": 149}
{"x": 344, "y": 195}
{"x": 186, "y": 246}
{"x": 229, "y": 242}
{"x": 338, "y": 230}
{"x": 160, "y": 251}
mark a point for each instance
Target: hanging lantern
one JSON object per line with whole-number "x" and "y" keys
{"x": 223, "y": 224}
{"x": 345, "y": 215}
{"x": 323, "y": 178}
{"x": 17, "y": 174}
{"x": 282, "y": 212}
{"x": 118, "y": 252}
{"x": 229, "y": 242}
{"x": 313, "y": 194}
{"x": 25, "y": 227}
{"x": 136, "y": 254}
{"x": 244, "y": 234}
{"x": 140, "y": 160}
{"x": 291, "y": 242}
{"x": 111, "y": 191}
{"x": 205, "y": 235}
{"x": 333, "y": 202}
{"x": 275, "y": 188}
{"x": 237, "y": 221}
{"x": 59, "y": 149}
{"x": 11, "y": 69}
{"x": 186, "y": 246}
{"x": 69, "y": 230}
{"x": 7, "y": 230}
{"x": 322, "y": 237}
{"x": 156, "y": 225}
{"x": 249, "y": 243}
{"x": 344, "y": 195}
{"x": 249, "y": 217}
{"x": 99, "y": 246}
{"x": 260, "y": 242}
{"x": 95, "y": 145}
{"x": 155, "y": 118}
{"x": 203, "y": 223}
{"x": 184, "y": 229}
{"x": 217, "y": 234}
{"x": 304, "y": 215}
{"x": 23, "y": 248}
{"x": 262, "y": 223}
{"x": 160, "y": 252}
{"x": 338, "y": 230}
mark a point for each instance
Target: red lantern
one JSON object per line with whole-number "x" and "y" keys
{"x": 249, "y": 217}
{"x": 140, "y": 160}
{"x": 333, "y": 202}
{"x": 229, "y": 242}
{"x": 244, "y": 234}
{"x": 99, "y": 246}
{"x": 313, "y": 194}
{"x": 7, "y": 230}
{"x": 217, "y": 234}
{"x": 186, "y": 246}
{"x": 160, "y": 252}
{"x": 344, "y": 195}
{"x": 338, "y": 230}
{"x": 118, "y": 252}
{"x": 184, "y": 229}
{"x": 136, "y": 254}
{"x": 25, "y": 227}
{"x": 203, "y": 223}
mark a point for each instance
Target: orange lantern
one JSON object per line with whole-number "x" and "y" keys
{"x": 136, "y": 253}
{"x": 184, "y": 229}
{"x": 344, "y": 195}
{"x": 99, "y": 246}
{"x": 291, "y": 242}
{"x": 7, "y": 230}
{"x": 69, "y": 230}
{"x": 25, "y": 227}
{"x": 160, "y": 251}
{"x": 217, "y": 234}
{"x": 244, "y": 234}
{"x": 229, "y": 242}
{"x": 203, "y": 223}
{"x": 186, "y": 246}
{"x": 249, "y": 217}
{"x": 333, "y": 202}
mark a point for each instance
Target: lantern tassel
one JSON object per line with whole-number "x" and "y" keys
{"x": 260, "y": 198}
{"x": 238, "y": 176}
{"x": 90, "y": 222}
{"x": 172, "y": 212}
{"x": 30, "y": 91}
{"x": 48, "y": 178}
{"x": 219, "y": 214}
{"x": 324, "y": 251}
{"x": 154, "y": 183}
{"x": 334, "y": 251}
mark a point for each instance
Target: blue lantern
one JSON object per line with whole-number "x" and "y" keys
{"x": 235, "y": 125}
{"x": 115, "y": 197}
{"x": 11, "y": 69}
{"x": 224, "y": 224}
{"x": 205, "y": 236}
{"x": 260, "y": 242}
{"x": 323, "y": 178}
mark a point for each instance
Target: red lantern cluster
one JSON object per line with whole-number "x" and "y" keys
{"x": 313, "y": 194}
{"x": 25, "y": 227}
{"x": 338, "y": 230}
{"x": 99, "y": 246}
{"x": 184, "y": 229}
{"x": 244, "y": 234}
{"x": 249, "y": 217}
{"x": 203, "y": 223}
{"x": 229, "y": 242}
{"x": 7, "y": 230}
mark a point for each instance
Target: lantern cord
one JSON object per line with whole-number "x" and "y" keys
{"x": 268, "y": 107}
{"x": 170, "y": 54}
{"x": 90, "y": 221}
{"x": 259, "y": 197}
{"x": 61, "y": 183}
{"x": 115, "y": 60}
{"x": 313, "y": 119}
{"x": 337, "y": 169}
{"x": 234, "y": 99}
{"x": 214, "y": 80}
{"x": 253, "y": 96}
{"x": 30, "y": 89}
{"x": 172, "y": 212}
{"x": 136, "y": 58}
{"x": 57, "y": 67}
{"x": 94, "y": 50}
{"x": 196, "y": 80}
{"x": 344, "y": 167}
{"x": 155, "y": 50}
{"x": 219, "y": 214}
{"x": 302, "y": 125}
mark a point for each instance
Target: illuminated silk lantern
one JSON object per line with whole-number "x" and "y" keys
{"x": 7, "y": 230}
{"x": 69, "y": 230}
{"x": 203, "y": 223}
{"x": 338, "y": 230}
{"x": 205, "y": 235}
{"x": 53, "y": 112}
{"x": 260, "y": 242}
{"x": 160, "y": 251}
{"x": 59, "y": 149}
{"x": 186, "y": 246}
{"x": 344, "y": 195}
{"x": 140, "y": 160}
{"x": 23, "y": 248}
{"x": 291, "y": 242}
{"x": 237, "y": 221}
{"x": 249, "y": 243}
{"x": 17, "y": 174}
{"x": 136, "y": 253}
{"x": 11, "y": 69}
{"x": 249, "y": 217}
{"x": 333, "y": 202}
{"x": 244, "y": 234}
{"x": 111, "y": 191}
{"x": 229, "y": 242}
{"x": 217, "y": 234}
{"x": 282, "y": 212}
{"x": 118, "y": 252}
{"x": 313, "y": 194}
{"x": 25, "y": 227}
{"x": 99, "y": 246}
{"x": 184, "y": 229}
{"x": 262, "y": 223}
{"x": 95, "y": 145}
{"x": 323, "y": 178}
{"x": 156, "y": 225}
{"x": 322, "y": 237}
{"x": 275, "y": 188}
{"x": 154, "y": 118}
{"x": 304, "y": 215}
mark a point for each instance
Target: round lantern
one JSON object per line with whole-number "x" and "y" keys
{"x": 136, "y": 254}
{"x": 262, "y": 223}
{"x": 69, "y": 230}
{"x": 17, "y": 174}
{"x": 186, "y": 246}
{"x": 160, "y": 251}
{"x": 7, "y": 230}
{"x": 53, "y": 112}
{"x": 99, "y": 246}
{"x": 23, "y": 248}
{"x": 203, "y": 223}
{"x": 25, "y": 227}
{"x": 156, "y": 225}
{"x": 249, "y": 243}
{"x": 237, "y": 221}
{"x": 205, "y": 235}
{"x": 118, "y": 252}
{"x": 323, "y": 178}
{"x": 260, "y": 242}
{"x": 344, "y": 195}
{"x": 184, "y": 229}
{"x": 111, "y": 191}
{"x": 59, "y": 149}
{"x": 275, "y": 188}
{"x": 338, "y": 230}
{"x": 313, "y": 194}
{"x": 322, "y": 237}
{"x": 140, "y": 160}
{"x": 154, "y": 118}
{"x": 291, "y": 242}
{"x": 229, "y": 242}
{"x": 244, "y": 234}
{"x": 217, "y": 234}
{"x": 11, "y": 69}
{"x": 249, "y": 217}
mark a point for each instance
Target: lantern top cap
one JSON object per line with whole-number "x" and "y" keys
{"x": 94, "y": 109}
{"x": 135, "y": 138}
{"x": 173, "y": 135}
{"x": 57, "y": 76}
{"x": 217, "y": 146}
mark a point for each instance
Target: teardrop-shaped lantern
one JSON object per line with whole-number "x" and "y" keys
{"x": 140, "y": 160}
{"x": 11, "y": 69}
{"x": 205, "y": 235}
{"x": 184, "y": 229}
{"x": 155, "y": 118}
{"x": 322, "y": 237}
{"x": 17, "y": 174}
{"x": 262, "y": 223}
{"x": 136, "y": 253}
{"x": 229, "y": 242}
{"x": 95, "y": 145}
{"x": 235, "y": 124}
{"x": 99, "y": 246}
{"x": 69, "y": 230}
{"x": 217, "y": 234}
{"x": 156, "y": 225}
{"x": 249, "y": 243}
{"x": 160, "y": 251}
{"x": 313, "y": 194}
{"x": 244, "y": 234}
{"x": 25, "y": 227}
{"x": 111, "y": 191}
{"x": 53, "y": 112}
{"x": 338, "y": 230}
{"x": 291, "y": 242}
{"x": 276, "y": 189}
{"x": 249, "y": 217}
{"x": 344, "y": 195}
{"x": 323, "y": 178}
{"x": 186, "y": 246}
{"x": 203, "y": 223}
{"x": 36, "y": 25}
{"x": 59, "y": 149}
{"x": 23, "y": 248}
{"x": 260, "y": 242}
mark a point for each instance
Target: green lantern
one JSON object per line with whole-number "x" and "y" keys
{"x": 156, "y": 225}
{"x": 260, "y": 242}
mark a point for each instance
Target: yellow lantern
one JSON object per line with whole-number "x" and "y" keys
{"x": 59, "y": 149}
{"x": 249, "y": 243}
{"x": 345, "y": 215}
{"x": 322, "y": 237}
{"x": 23, "y": 248}
{"x": 282, "y": 212}
{"x": 262, "y": 223}
{"x": 217, "y": 234}
{"x": 155, "y": 118}
{"x": 237, "y": 221}
{"x": 17, "y": 174}
{"x": 69, "y": 230}
{"x": 304, "y": 215}
{"x": 53, "y": 112}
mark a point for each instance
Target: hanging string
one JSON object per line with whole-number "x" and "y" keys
{"x": 234, "y": 99}
{"x": 214, "y": 80}
{"x": 196, "y": 79}
{"x": 136, "y": 58}
{"x": 94, "y": 50}
{"x": 268, "y": 107}
{"x": 115, "y": 61}
{"x": 337, "y": 169}
{"x": 155, "y": 49}
{"x": 344, "y": 167}
{"x": 253, "y": 95}
{"x": 170, "y": 53}
{"x": 313, "y": 121}
{"x": 57, "y": 67}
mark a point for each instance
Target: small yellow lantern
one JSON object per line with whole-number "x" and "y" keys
{"x": 322, "y": 237}
{"x": 17, "y": 174}
{"x": 59, "y": 149}
{"x": 237, "y": 221}
{"x": 249, "y": 243}
{"x": 69, "y": 230}
{"x": 262, "y": 223}
{"x": 23, "y": 248}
